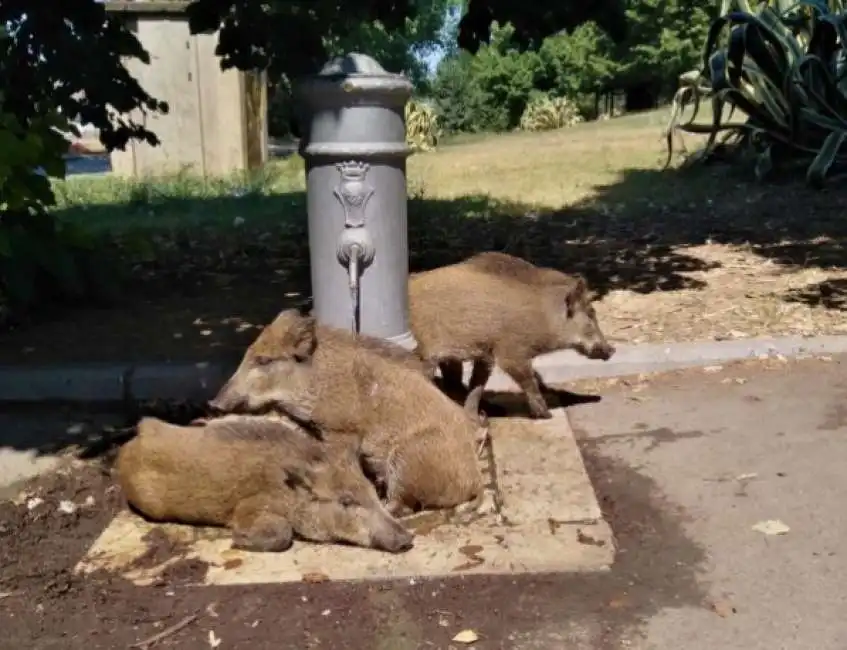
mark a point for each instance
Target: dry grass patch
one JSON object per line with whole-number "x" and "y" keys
{"x": 680, "y": 255}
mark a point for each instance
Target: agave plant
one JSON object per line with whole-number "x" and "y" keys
{"x": 782, "y": 65}
{"x": 422, "y": 129}
{"x": 544, "y": 113}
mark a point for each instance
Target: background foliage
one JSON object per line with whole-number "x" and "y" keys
{"x": 780, "y": 67}
{"x": 507, "y": 64}
{"x": 490, "y": 91}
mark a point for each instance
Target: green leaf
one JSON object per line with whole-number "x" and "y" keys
{"x": 55, "y": 166}
{"x": 827, "y": 155}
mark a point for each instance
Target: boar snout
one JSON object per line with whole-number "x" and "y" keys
{"x": 602, "y": 351}
{"x": 226, "y": 401}
{"x": 388, "y": 534}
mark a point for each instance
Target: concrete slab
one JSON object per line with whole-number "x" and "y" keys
{"x": 717, "y": 453}
{"x": 538, "y": 534}
{"x": 89, "y": 383}
{"x": 196, "y": 381}
{"x": 567, "y": 365}
{"x": 541, "y": 474}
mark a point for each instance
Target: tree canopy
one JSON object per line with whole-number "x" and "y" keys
{"x": 292, "y": 36}
{"x": 62, "y": 61}
{"x": 491, "y": 90}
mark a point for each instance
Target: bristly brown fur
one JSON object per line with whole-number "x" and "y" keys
{"x": 265, "y": 478}
{"x": 419, "y": 442}
{"x": 496, "y": 308}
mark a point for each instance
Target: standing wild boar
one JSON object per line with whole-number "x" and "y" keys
{"x": 264, "y": 478}
{"x": 417, "y": 442}
{"x": 495, "y": 308}
{"x": 509, "y": 266}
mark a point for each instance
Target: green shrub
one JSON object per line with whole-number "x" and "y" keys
{"x": 781, "y": 66}
{"x": 41, "y": 259}
{"x": 544, "y": 113}
{"x": 422, "y": 130}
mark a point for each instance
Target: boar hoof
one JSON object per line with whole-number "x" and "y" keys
{"x": 481, "y": 506}
{"x": 487, "y": 504}
{"x": 538, "y": 414}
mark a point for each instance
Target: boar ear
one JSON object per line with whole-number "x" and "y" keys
{"x": 577, "y": 293}
{"x": 305, "y": 340}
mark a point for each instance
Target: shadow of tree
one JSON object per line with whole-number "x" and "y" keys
{"x": 790, "y": 224}
{"x": 206, "y": 273}
{"x": 831, "y": 294}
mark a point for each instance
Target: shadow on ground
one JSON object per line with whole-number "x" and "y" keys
{"x": 84, "y": 430}
{"x": 831, "y": 294}
{"x": 499, "y": 404}
{"x": 206, "y": 274}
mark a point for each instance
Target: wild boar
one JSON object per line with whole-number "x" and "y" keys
{"x": 266, "y": 479}
{"x": 505, "y": 265}
{"x": 419, "y": 444}
{"x": 495, "y": 308}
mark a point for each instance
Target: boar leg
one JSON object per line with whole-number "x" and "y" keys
{"x": 411, "y": 485}
{"x": 520, "y": 369}
{"x": 258, "y": 526}
{"x": 451, "y": 375}
{"x": 481, "y": 373}
{"x": 398, "y": 501}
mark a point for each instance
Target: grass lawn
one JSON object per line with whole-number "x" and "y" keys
{"x": 676, "y": 254}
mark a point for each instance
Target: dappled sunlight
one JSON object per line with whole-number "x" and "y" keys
{"x": 677, "y": 254}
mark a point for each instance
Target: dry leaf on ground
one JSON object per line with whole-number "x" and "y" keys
{"x": 466, "y": 636}
{"x": 771, "y": 527}
{"x": 314, "y": 577}
{"x": 723, "y": 609}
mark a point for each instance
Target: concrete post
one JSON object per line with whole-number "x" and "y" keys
{"x": 354, "y": 145}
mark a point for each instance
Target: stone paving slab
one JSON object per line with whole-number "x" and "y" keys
{"x": 544, "y": 489}
{"x": 541, "y": 474}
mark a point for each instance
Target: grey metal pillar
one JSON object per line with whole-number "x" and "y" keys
{"x": 354, "y": 144}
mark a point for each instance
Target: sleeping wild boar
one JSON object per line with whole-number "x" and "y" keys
{"x": 496, "y": 308}
{"x": 420, "y": 445}
{"x": 266, "y": 479}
